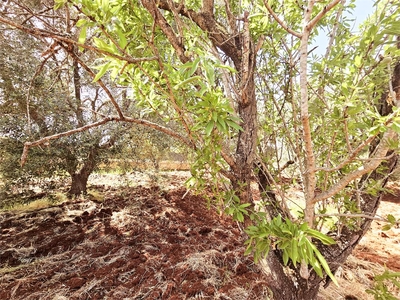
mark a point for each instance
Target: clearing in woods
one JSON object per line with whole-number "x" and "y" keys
{"x": 153, "y": 240}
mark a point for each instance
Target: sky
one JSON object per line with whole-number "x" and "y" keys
{"x": 362, "y": 10}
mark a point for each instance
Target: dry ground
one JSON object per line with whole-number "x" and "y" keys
{"x": 148, "y": 242}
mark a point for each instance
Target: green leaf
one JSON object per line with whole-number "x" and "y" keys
{"x": 386, "y": 227}
{"x": 251, "y": 229}
{"x": 396, "y": 127}
{"x": 302, "y": 240}
{"x": 59, "y": 3}
{"x": 102, "y": 45}
{"x": 285, "y": 257}
{"x": 234, "y": 125}
{"x": 103, "y": 69}
{"x": 304, "y": 227}
{"x": 81, "y": 22}
{"x": 317, "y": 267}
{"x": 210, "y": 73}
{"x": 194, "y": 78}
{"x": 232, "y": 70}
{"x": 235, "y": 119}
{"x": 122, "y": 39}
{"x": 322, "y": 237}
{"x": 295, "y": 254}
{"x": 325, "y": 265}
{"x": 194, "y": 67}
{"x": 105, "y": 5}
{"x": 221, "y": 121}
{"x": 82, "y": 36}
{"x": 358, "y": 61}
{"x": 239, "y": 216}
{"x": 392, "y": 29}
{"x": 209, "y": 127}
{"x": 215, "y": 116}
{"x": 284, "y": 244}
{"x": 391, "y": 219}
{"x": 248, "y": 250}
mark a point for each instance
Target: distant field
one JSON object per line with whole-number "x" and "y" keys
{"x": 165, "y": 165}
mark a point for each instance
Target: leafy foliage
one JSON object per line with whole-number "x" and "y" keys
{"x": 380, "y": 291}
{"x": 293, "y": 239}
{"x": 241, "y": 84}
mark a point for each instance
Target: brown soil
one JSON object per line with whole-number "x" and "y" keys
{"x": 146, "y": 242}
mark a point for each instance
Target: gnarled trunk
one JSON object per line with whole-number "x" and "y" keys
{"x": 80, "y": 179}
{"x": 78, "y": 184}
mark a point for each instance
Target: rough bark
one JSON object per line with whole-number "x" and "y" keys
{"x": 247, "y": 140}
{"x": 247, "y": 111}
{"x": 240, "y": 49}
{"x": 78, "y": 184}
{"x": 80, "y": 178}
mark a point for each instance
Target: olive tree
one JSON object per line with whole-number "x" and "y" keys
{"x": 44, "y": 90}
{"x": 256, "y": 103}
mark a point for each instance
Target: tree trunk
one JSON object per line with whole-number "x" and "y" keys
{"x": 238, "y": 46}
{"x": 80, "y": 179}
{"x": 78, "y": 185}
{"x": 247, "y": 109}
{"x": 337, "y": 255}
{"x": 246, "y": 144}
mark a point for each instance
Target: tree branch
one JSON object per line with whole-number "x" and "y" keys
{"x": 205, "y": 20}
{"x": 351, "y": 157}
{"x": 322, "y": 13}
{"x": 280, "y": 22}
{"x": 230, "y": 17}
{"x": 101, "y": 83}
{"x": 309, "y": 175}
{"x": 334, "y": 30}
{"x": 152, "y": 8}
{"x": 356, "y": 151}
{"x": 64, "y": 38}
{"x": 146, "y": 123}
{"x": 47, "y": 139}
{"x": 372, "y": 164}
{"x": 208, "y": 6}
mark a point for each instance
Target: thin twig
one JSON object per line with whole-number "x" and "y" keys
{"x": 280, "y": 22}
{"x": 372, "y": 164}
{"x": 65, "y": 39}
{"x": 100, "y": 82}
{"x": 354, "y": 216}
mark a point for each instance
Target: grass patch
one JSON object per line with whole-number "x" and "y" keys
{"x": 95, "y": 195}
{"x": 47, "y": 201}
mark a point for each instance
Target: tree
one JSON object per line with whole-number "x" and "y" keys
{"x": 255, "y": 103}
{"x": 44, "y": 91}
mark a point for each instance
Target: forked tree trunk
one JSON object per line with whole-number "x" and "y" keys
{"x": 293, "y": 287}
{"x": 290, "y": 285}
{"x": 239, "y": 47}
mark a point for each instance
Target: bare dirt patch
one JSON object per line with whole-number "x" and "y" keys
{"x": 145, "y": 242}
{"x": 138, "y": 243}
